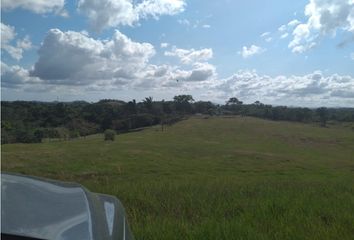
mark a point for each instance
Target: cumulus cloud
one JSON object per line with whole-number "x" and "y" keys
{"x": 111, "y": 13}
{"x": 251, "y": 51}
{"x": 325, "y": 17}
{"x": 311, "y": 89}
{"x": 200, "y": 72}
{"x": 14, "y": 76}
{"x": 155, "y": 8}
{"x": 165, "y": 77}
{"x": 40, "y": 7}
{"x": 8, "y": 35}
{"x": 188, "y": 56}
{"x": 108, "y": 13}
{"x": 75, "y": 58}
{"x": 303, "y": 40}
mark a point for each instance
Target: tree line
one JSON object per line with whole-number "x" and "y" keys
{"x": 32, "y": 121}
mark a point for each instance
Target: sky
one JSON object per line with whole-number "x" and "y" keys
{"x": 295, "y": 53}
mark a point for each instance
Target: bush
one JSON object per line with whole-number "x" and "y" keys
{"x": 109, "y": 135}
{"x": 27, "y": 136}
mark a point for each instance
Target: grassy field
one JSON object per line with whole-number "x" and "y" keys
{"x": 216, "y": 178}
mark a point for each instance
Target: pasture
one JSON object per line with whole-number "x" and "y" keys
{"x": 214, "y": 178}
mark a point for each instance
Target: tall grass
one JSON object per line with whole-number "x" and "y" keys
{"x": 216, "y": 178}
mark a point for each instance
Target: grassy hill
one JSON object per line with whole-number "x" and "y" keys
{"x": 216, "y": 178}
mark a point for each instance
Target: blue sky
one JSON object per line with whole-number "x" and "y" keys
{"x": 273, "y": 51}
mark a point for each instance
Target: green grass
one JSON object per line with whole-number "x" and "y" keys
{"x": 216, "y": 178}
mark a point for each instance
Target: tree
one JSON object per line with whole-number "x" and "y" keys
{"x": 183, "y": 103}
{"x": 109, "y": 135}
{"x": 130, "y": 107}
{"x": 234, "y": 101}
{"x": 183, "y": 98}
{"x": 323, "y": 114}
{"x": 204, "y": 107}
{"x": 234, "y": 105}
{"x": 166, "y": 107}
{"x": 38, "y": 135}
{"x": 148, "y": 104}
{"x": 258, "y": 103}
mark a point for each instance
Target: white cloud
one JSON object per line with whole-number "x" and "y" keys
{"x": 251, "y": 51}
{"x": 352, "y": 55}
{"x": 188, "y": 56}
{"x": 200, "y": 72}
{"x": 310, "y": 90}
{"x": 325, "y": 17}
{"x": 108, "y": 13}
{"x": 40, "y": 7}
{"x": 286, "y": 28}
{"x": 164, "y": 45}
{"x": 195, "y": 23}
{"x": 14, "y": 76}
{"x": 24, "y": 43}
{"x": 73, "y": 58}
{"x": 293, "y": 23}
{"x": 302, "y": 39}
{"x": 265, "y": 34}
{"x": 170, "y": 77}
{"x": 282, "y": 28}
{"x": 155, "y": 8}
{"x": 112, "y": 13}
{"x": 285, "y": 35}
{"x": 76, "y": 62}
{"x": 8, "y": 35}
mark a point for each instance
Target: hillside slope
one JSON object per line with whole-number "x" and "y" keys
{"x": 215, "y": 178}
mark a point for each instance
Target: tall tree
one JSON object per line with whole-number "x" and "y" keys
{"x": 323, "y": 114}
{"x": 183, "y": 103}
{"x": 148, "y": 104}
{"x": 234, "y": 101}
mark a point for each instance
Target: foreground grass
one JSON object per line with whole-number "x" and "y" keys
{"x": 216, "y": 178}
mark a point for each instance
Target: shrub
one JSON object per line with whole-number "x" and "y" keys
{"x": 109, "y": 135}
{"x": 27, "y": 136}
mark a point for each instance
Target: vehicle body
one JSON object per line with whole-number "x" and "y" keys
{"x": 38, "y": 208}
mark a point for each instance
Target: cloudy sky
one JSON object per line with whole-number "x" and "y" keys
{"x": 298, "y": 53}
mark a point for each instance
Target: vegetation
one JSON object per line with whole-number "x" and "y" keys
{"x": 323, "y": 115}
{"x": 213, "y": 178}
{"x": 109, "y": 135}
{"x": 31, "y": 122}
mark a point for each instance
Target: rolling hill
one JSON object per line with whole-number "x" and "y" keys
{"x": 213, "y": 178}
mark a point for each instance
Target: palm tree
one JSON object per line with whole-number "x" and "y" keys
{"x": 148, "y": 104}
